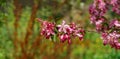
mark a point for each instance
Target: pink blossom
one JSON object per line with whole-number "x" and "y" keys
{"x": 109, "y": 29}
{"x": 111, "y": 39}
{"x": 101, "y": 5}
{"x": 114, "y": 22}
{"x": 47, "y": 29}
{"x": 117, "y": 24}
{"x": 69, "y": 31}
{"x": 64, "y": 27}
{"x": 77, "y": 32}
{"x": 114, "y": 2}
{"x": 79, "y": 35}
{"x": 116, "y": 6}
{"x": 65, "y": 37}
{"x": 65, "y": 31}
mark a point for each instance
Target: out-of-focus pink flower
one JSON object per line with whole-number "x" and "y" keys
{"x": 69, "y": 31}
{"x": 116, "y": 6}
{"x": 99, "y": 23}
{"x": 112, "y": 39}
{"x": 77, "y": 31}
{"x": 64, "y": 27}
{"x": 79, "y": 35}
{"x": 65, "y": 37}
{"x": 73, "y": 26}
{"x": 116, "y": 10}
{"x": 47, "y": 28}
{"x": 101, "y": 5}
{"x": 115, "y": 23}
{"x": 114, "y": 2}
{"x": 93, "y": 10}
{"x": 110, "y": 30}
{"x": 65, "y": 31}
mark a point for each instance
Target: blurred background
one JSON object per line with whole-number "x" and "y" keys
{"x": 20, "y": 31}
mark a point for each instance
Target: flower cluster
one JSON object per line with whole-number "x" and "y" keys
{"x": 109, "y": 30}
{"x": 67, "y": 31}
{"x": 112, "y": 39}
{"x": 97, "y": 11}
{"x": 116, "y": 6}
{"x": 47, "y": 28}
{"x": 64, "y": 31}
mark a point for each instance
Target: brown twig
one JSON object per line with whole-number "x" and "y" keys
{"x": 29, "y": 32}
{"x": 31, "y": 23}
{"x": 17, "y": 14}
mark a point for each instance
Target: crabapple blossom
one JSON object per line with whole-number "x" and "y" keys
{"x": 111, "y": 39}
{"x": 64, "y": 31}
{"x": 116, "y": 6}
{"x": 109, "y": 30}
{"x": 47, "y": 28}
{"x": 65, "y": 37}
{"x": 64, "y": 27}
{"x": 67, "y": 31}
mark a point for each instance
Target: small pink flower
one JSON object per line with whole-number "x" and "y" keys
{"x": 79, "y": 34}
{"x": 102, "y": 5}
{"x": 114, "y": 22}
{"x": 69, "y": 31}
{"x": 47, "y": 29}
{"x": 64, "y": 27}
{"x": 65, "y": 37}
{"x": 73, "y": 26}
{"x": 111, "y": 39}
{"x": 117, "y": 45}
{"x": 100, "y": 21}
{"x": 117, "y": 24}
{"x": 114, "y": 2}
{"x": 116, "y": 6}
